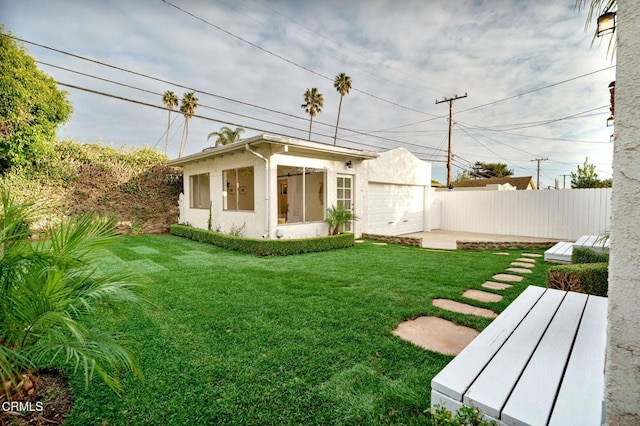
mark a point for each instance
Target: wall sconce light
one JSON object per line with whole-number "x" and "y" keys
{"x": 612, "y": 137}
{"x": 606, "y": 24}
{"x": 349, "y": 164}
{"x": 610, "y": 121}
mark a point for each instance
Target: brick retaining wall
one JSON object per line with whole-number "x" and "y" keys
{"x": 407, "y": 241}
{"x": 503, "y": 245}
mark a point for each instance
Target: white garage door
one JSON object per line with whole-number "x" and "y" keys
{"x": 395, "y": 209}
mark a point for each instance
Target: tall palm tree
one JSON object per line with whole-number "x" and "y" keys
{"x": 313, "y": 103}
{"x": 170, "y": 100}
{"x": 187, "y": 108}
{"x": 226, "y": 135}
{"x": 342, "y": 83}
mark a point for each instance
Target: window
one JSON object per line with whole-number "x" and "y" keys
{"x": 238, "y": 193}
{"x": 200, "y": 193}
{"x": 301, "y": 196}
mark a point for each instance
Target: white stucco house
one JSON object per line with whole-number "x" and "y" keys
{"x": 277, "y": 187}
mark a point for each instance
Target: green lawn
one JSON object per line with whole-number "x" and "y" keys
{"x": 230, "y": 338}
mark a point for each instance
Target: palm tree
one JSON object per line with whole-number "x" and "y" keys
{"x": 342, "y": 83}
{"x": 187, "y": 108}
{"x": 226, "y": 135}
{"x": 170, "y": 100}
{"x": 49, "y": 294}
{"x": 314, "y": 101}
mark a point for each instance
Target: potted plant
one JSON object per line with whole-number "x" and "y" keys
{"x": 337, "y": 217}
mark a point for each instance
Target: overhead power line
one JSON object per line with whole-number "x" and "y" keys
{"x": 289, "y": 61}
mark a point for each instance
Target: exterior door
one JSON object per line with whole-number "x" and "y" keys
{"x": 345, "y": 198}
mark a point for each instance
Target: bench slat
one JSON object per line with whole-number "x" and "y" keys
{"x": 454, "y": 380}
{"x": 492, "y": 388}
{"x": 582, "y": 392}
{"x": 532, "y": 399}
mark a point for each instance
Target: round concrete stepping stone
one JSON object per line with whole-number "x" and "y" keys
{"x": 531, "y": 255}
{"x": 522, "y": 264}
{"x": 507, "y": 277}
{"x": 358, "y": 241}
{"x": 519, "y": 270}
{"x": 526, "y": 259}
{"x": 482, "y": 296}
{"x": 503, "y": 253}
{"x": 436, "y": 334}
{"x": 463, "y": 308}
{"x": 380, "y": 244}
{"x": 495, "y": 286}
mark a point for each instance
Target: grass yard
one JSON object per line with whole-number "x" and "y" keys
{"x": 230, "y": 338}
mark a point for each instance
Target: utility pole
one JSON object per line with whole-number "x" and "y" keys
{"x": 449, "y": 156}
{"x": 564, "y": 181}
{"x": 539, "y": 160}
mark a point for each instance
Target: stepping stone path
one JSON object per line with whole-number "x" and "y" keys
{"x": 520, "y": 270}
{"x": 507, "y": 277}
{"x": 380, "y": 244}
{"x": 495, "y": 286}
{"x": 482, "y": 296}
{"x": 436, "y": 334}
{"x": 439, "y": 335}
{"x": 523, "y": 264}
{"x": 463, "y": 308}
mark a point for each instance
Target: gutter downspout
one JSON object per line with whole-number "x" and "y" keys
{"x": 247, "y": 147}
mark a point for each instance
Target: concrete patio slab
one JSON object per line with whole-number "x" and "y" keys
{"x": 507, "y": 277}
{"x": 436, "y": 334}
{"x": 463, "y": 308}
{"x": 482, "y": 296}
{"x": 496, "y": 286}
{"x": 526, "y": 259}
{"x": 519, "y": 270}
{"x": 522, "y": 264}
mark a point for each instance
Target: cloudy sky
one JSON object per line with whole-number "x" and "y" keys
{"x": 536, "y": 87}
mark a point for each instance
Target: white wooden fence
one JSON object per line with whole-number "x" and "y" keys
{"x": 559, "y": 214}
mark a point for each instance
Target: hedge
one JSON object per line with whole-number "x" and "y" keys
{"x": 264, "y": 247}
{"x": 585, "y": 255}
{"x": 590, "y": 278}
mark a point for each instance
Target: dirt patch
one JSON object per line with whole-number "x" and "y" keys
{"x": 50, "y": 404}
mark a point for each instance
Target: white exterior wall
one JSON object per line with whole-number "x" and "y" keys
{"x": 254, "y": 222}
{"x": 623, "y": 346}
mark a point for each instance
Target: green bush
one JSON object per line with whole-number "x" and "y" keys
{"x": 585, "y": 255}
{"x": 465, "y": 416}
{"x": 264, "y": 247}
{"x": 590, "y": 278}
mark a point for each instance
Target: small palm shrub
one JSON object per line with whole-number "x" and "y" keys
{"x": 337, "y": 217}
{"x": 49, "y": 290}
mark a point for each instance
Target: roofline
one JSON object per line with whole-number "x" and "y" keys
{"x": 275, "y": 140}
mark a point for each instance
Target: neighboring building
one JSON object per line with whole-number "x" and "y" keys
{"x": 279, "y": 187}
{"x": 523, "y": 183}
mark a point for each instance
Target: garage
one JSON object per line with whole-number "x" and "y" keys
{"x": 395, "y": 209}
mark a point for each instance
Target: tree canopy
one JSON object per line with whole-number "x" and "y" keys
{"x": 31, "y": 107}
{"x": 226, "y": 136}
{"x": 481, "y": 170}
{"x": 586, "y": 177}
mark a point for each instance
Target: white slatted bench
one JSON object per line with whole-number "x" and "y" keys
{"x": 560, "y": 252}
{"x": 540, "y": 362}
